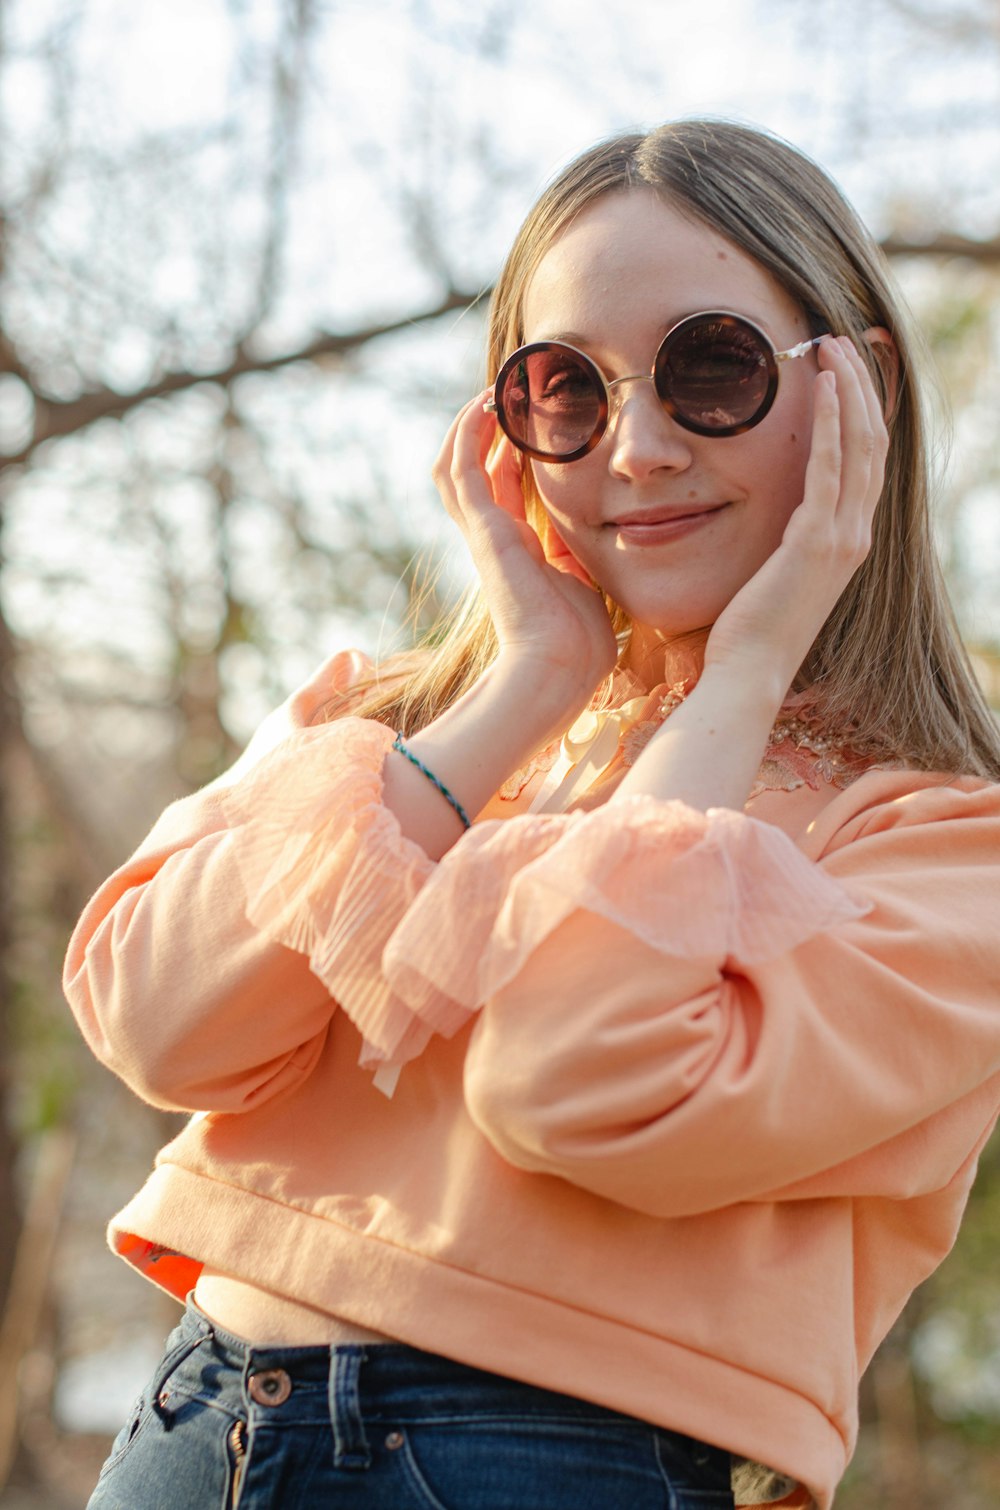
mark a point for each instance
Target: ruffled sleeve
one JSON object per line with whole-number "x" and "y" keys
{"x": 683, "y": 1011}
{"x": 327, "y": 872}
{"x": 687, "y": 884}
{"x": 205, "y": 970}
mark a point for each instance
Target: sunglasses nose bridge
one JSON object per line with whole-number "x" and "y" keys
{"x": 644, "y": 440}
{"x": 617, "y": 398}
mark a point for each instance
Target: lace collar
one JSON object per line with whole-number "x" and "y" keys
{"x": 802, "y": 749}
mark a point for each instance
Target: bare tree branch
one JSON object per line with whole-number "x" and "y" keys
{"x": 289, "y": 73}
{"x": 60, "y": 417}
{"x": 945, "y": 244}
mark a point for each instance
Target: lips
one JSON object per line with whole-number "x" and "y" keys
{"x": 661, "y": 525}
{"x": 650, "y": 517}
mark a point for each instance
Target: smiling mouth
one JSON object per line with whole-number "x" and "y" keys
{"x": 638, "y": 526}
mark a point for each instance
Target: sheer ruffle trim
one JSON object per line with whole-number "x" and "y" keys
{"x": 688, "y": 884}
{"x": 408, "y": 948}
{"x": 327, "y": 872}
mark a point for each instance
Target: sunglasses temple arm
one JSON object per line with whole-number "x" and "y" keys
{"x": 800, "y": 350}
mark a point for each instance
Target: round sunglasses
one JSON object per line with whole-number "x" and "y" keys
{"x": 715, "y": 374}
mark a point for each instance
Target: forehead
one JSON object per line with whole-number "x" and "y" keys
{"x": 632, "y": 256}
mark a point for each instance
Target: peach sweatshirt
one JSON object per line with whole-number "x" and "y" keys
{"x": 710, "y": 1106}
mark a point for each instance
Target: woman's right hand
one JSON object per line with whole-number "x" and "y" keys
{"x": 555, "y": 638}
{"x": 551, "y": 622}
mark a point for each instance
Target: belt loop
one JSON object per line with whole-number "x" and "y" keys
{"x": 350, "y": 1446}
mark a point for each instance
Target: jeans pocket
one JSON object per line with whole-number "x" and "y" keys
{"x": 188, "y": 1464}
{"x": 134, "y": 1422}
{"x": 536, "y": 1464}
{"x": 174, "y": 1349}
{"x": 175, "y": 1448}
{"x": 700, "y": 1474}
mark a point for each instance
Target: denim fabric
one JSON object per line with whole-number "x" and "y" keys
{"x": 223, "y": 1426}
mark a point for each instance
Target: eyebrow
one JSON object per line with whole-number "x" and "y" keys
{"x": 568, "y": 337}
{"x": 574, "y": 337}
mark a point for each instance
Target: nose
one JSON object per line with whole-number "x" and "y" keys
{"x": 644, "y": 437}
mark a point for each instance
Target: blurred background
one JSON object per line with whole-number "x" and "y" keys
{"x": 244, "y": 252}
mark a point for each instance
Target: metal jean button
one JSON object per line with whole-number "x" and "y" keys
{"x": 271, "y": 1386}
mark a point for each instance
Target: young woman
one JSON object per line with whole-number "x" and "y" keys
{"x": 695, "y": 1028}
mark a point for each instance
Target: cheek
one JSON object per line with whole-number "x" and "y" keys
{"x": 563, "y": 491}
{"x": 794, "y": 458}
{"x": 784, "y": 457}
{"x": 795, "y": 432}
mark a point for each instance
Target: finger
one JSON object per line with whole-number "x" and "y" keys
{"x": 865, "y": 359}
{"x": 443, "y": 460}
{"x": 454, "y": 459}
{"x": 474, "y": 434}
{"x": 859, "y": 461}
{"x": 866, "y": 440}
{"x": 822, "y": 479}
{"x": 869, "y": 393}
{"x": 485, "y": 494}
{"x": 530, "y": 541}
{"x": 487, "y": 506}
{"x": 873, "y": 403}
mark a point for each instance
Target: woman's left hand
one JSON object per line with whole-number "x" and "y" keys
{"x": 769, "y": 626}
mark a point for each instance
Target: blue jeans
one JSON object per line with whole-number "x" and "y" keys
{"x": 224, "y": 1426}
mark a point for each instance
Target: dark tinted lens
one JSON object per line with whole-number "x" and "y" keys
{"x": 552, "y": 401}
{"x": 716, "y": 373}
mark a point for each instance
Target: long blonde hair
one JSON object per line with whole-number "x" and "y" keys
{"x": 889, "y": 661}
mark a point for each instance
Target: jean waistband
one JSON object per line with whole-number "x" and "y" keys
{"x": 382, "y": 1372}
{"x": 351, "y": 1387}
{"x": 310, "y": 1363}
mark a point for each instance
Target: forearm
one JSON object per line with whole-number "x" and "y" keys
{"x": 164, "y": 974}
{"x": 709, "y": 751}
{"x": 472, "y": 748}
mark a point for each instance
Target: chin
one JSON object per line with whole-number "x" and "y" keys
{"x": 671, "y": 624}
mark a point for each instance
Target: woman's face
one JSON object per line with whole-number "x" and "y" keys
{"x": 671, "y": 524}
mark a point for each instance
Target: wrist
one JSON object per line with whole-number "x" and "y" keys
{"x": 751, "y": 691}
{"x": 546, "y": 698}
{"x": 469, "y": 751}
{"x": 709, "y": 750}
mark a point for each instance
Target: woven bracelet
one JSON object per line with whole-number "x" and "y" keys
{"x": 398, "y": 744}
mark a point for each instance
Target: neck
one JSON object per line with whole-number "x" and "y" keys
{"x": 654, "y": 657}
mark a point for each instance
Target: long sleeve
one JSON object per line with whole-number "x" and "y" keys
{"x": 205, "y": 971}
{"x": 684, "y": 1011}
{"x": 674, "y": 1010}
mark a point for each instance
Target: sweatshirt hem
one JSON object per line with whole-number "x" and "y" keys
{"x": 432, "y": 1304}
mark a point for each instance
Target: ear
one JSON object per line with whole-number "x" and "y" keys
{"x": 886, "y": 356}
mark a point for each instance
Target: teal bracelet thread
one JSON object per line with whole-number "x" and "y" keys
{"x": 398, "y": 744}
